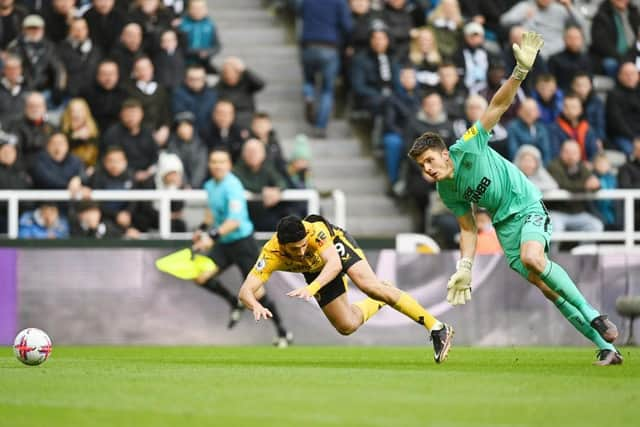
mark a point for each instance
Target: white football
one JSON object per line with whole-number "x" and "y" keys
{"x": 32, "y": 346}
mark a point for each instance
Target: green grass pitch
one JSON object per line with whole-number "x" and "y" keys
{"x": 318, "y": 386}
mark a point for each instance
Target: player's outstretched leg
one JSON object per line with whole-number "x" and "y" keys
{"x": 535, "y": 261}
{"x": 607, "y": 353}
{"x": 441, "y": 334}
{"x": 284, "y": 337}
{"x": 214, "y": 286}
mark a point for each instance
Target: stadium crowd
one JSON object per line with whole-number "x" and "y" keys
{"x": 418, "y": 66}
{"x": 129, "y": 86}
{"x": 119, "y": 95}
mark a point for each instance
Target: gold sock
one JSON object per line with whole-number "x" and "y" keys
{"x": 408, "y": 306}
{"x": 369, "y": 307}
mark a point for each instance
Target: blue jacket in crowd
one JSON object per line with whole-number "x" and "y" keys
{"x": 199, "y": 103}
{"x": 200, "y": 34}
{"x": 31, "y": 226}
{"x": 325, "y": 21}
{"x": 520, "y": 134}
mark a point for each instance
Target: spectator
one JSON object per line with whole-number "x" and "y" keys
{"x": 473, "y": 58}
{"x": 623, "y": 109}
{"x": 43, "y": 223}
{"x": 571, "y": 124}
{"x": 547, "y": 18}
{"x": 80, "y": 128}
{"x": 262, "y": 130}
{"x": 32, "y": 129}
{"x": 431, "y": 118}
{"x": 128, "y": 49}
{"x": 527, "y": 129}
{"x": 168, "y": 177}
{"x": 58, "y": 18}
{"x": 446, "y": 21}
{"x": 194, "y": 96}
{"x": 629, "y": 176}
{"x": 239, "y": 85}
{"x": 496, "y": 76}
{"x": 425, "y": 57}
{"x": 202, "y": 39}
{"x": 222, "y": 130}
{"x": 548, "y": 97}
{"x": 56, "y": 169}
{"x": 592, "y": 105}
{"x": 105, "y": 24}
{"x": 474, "y": 106}
{"x": 633, "y": 54}
{"x": 607, "y": 210}
{"x": 325, "y": 27}
{"x": 403, "y": 106}
{"x": 43, "y": 70}
{"x": 169, "y": 62}
{"x": 12, "y": 175}
{"x": 136, "y": 140}
{"x": 153, "y": 97}
{"x": 79, "y": 56}
{"x": 105, "y": 96}
{"x": 452, "y": 91}
{"x": 397, "y": 14}
{"x": 186, "y": 143}
{"x": 572, "y": 174}
{"x": 375, "y": 75}
{"x": 487, "y": 13}
{"x": 613, "y": 32}
{"x": 88, "y": 223}
{"x": 487, "y": 243}
{"x": 573, "y": 59}
{"x": 153, "y": 18}
{"x": 114, "y": 174}
{"x": 11, "y": 17}
{"x": 259, "y": 177}
{"x": 12, "y": 90}
{"x": 299, "y": 167}
{"x": 529, "y": 160}
{"x": 361, "y": 16}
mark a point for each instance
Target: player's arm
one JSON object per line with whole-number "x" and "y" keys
{"x": 332, "y": 267}
{"x": 525, "y": 55}
{"x": 459, "y": 286}
{"x": 251, "y": 289}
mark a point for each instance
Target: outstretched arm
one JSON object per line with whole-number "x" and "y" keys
{"x": 525, "y": 57}
{"x": 250, "y": 291}
{"x": 331, "y": 269}
{"x": 459, "y": 286}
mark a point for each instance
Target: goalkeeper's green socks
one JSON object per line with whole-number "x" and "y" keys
{"x": 408, "y": 306}
{"x": 577, "y": 320}
{"x": 558, "y": 280}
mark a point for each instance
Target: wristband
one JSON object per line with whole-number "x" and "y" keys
{"x": 465, "y": 264}
{"x": 203, "y": 226}
{"x": 313, "y": 287}
{"x": 214, "y": 233}
{"x": 519, "y": 73}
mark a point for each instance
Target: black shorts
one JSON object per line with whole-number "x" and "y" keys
{"x": 349, "y": 253}
{"x": 243, "y": 253}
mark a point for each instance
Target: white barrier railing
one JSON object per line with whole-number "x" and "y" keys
{"x": 164, "y": 197}
{"x": 628, "y": 235}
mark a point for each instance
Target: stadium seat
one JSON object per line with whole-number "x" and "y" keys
{"x": 629, "y": 306}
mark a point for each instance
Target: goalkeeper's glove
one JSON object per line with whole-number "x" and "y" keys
{"x": 525, "y": 54}
{"x": 459, "y": 286}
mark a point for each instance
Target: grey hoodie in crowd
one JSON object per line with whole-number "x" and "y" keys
{"x": 541, "y": 178}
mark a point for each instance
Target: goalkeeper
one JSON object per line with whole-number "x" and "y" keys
{"x": 470, "y": 172}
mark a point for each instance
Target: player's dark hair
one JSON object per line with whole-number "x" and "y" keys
{"x": 426, "y": 141}
{"x": 290, "y": 229}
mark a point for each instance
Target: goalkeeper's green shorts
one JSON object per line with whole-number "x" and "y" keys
{"x": 533, "y": 223}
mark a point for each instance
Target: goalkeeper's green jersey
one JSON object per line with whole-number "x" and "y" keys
{"x": 484, "y": 177}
